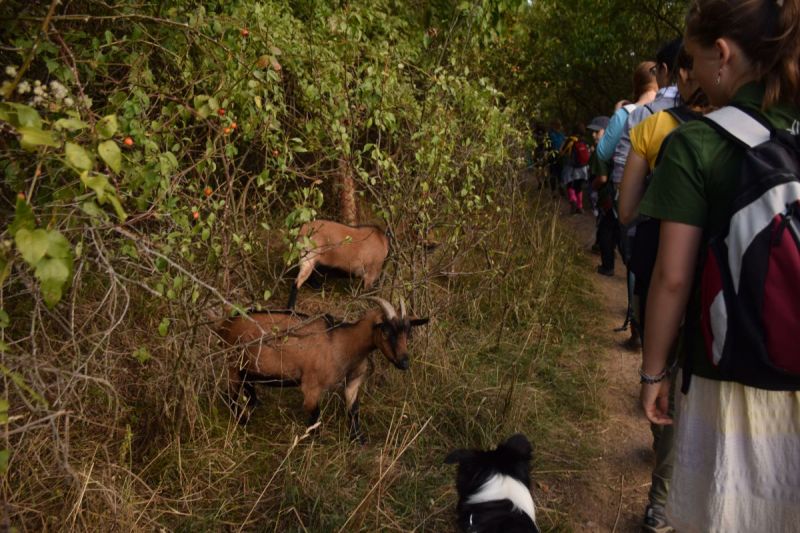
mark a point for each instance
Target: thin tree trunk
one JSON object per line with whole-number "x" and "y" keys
{"x": 348, "y": 208}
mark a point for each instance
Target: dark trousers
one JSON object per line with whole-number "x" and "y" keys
{"x": 608, "y": 233}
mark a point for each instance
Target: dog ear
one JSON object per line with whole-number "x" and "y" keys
{"x": 456, "y": 456}
{"x": 519, "y": 445}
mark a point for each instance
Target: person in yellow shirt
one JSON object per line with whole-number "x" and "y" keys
{"x": 648, "y": 136}
{"x": 647, "y": 139}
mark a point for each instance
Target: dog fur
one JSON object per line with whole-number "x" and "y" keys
{"x": 493, "y": 488}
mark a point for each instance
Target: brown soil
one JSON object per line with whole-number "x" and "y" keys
{"x": 612, "y": 492}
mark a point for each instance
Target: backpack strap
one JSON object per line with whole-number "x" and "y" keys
{"x": 683, "y": 114}
{"x": 739, "y": 125}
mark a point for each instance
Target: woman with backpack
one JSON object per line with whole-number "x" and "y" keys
{"x": 737, "y": 442}
{"x": 575, "y": 155}
{"x": 645, "y": 89}
{"x": 648, "y": 140}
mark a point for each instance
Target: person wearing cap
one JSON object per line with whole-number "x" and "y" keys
{"x": 645, "y": 89}
{"x": 598, "y": 127}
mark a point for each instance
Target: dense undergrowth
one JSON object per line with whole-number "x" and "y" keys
{"x": 158, "y": 159}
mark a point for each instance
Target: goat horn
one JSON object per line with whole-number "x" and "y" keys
{"x": 402, "y": 308}
{"x": 388, "y": 310}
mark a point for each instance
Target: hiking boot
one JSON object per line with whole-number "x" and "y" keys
{"x": 655, "y": 520}
{"x": 605, "y": 271}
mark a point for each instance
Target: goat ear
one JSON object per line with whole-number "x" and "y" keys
{"x": 456, "y": 456}
{"x": 419, "y": 321}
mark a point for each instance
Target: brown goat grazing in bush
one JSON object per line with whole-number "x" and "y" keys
{"x": 355, "y": 250}
{"x": 283, "y": 348}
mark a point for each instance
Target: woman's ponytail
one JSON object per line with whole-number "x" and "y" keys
{"x": 783, "y": 78}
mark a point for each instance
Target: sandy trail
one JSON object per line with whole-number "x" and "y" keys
{"x": 612, "y": 494}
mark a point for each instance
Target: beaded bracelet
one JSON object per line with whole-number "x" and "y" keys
{"x": 652, "y": 380}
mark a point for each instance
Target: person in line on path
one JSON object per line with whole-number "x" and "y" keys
{"x": 645, "y": 88}
{"x": 647, "y": 140}
{"x": 666, "y": 97}
{"x": 598, "y": 127}
{"x": 737, "y": 447}
{"x": 575, "y": 155}
{"x": 556, "y": 138}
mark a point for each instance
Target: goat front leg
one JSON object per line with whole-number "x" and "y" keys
{"x": 235, "y": 383}
{"x": 311, "y": 398}
{"x": 306, "y": 268}
{"x": 352, "y": 385}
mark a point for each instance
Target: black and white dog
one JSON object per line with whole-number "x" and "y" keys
{"x": 493, "y": 488}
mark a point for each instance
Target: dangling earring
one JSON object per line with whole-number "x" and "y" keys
{"x": 719, "y": 76}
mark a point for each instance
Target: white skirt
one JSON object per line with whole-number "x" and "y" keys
{"x": 737, "y": 460}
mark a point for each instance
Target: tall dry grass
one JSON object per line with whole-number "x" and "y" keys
{"x": 102, "y": 441}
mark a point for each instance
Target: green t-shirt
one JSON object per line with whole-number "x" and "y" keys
{"x": 598, "y": 167}
{"x": 695, "y": 183}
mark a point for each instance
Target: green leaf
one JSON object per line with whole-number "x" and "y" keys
{"x": 4, "y": 456}
{"x": 4, "y": 321}
{"x": 51, "y": 292}
{"x": 70, "y": 124}
{"x": 77, "y": 157}
{"x": 163, "y": 327}
{"x": 23, "y": 217}
{"x": 53, "y": 269}
{"x": 53, "y": 275}
{"x": 27, "y": 116}
{"x": 111, "y": 154}
{"x": 199, "y": 100}
{"x": 98, "y": 183}
{"x": 31, "y": 244}
{"x": 121, "y": 214}
{"x": 107, "y": 127}
{"x": 33, "y": 137}
{"x": 3, "y": 411}
{"x": 93, "y": 210}
{"x": 58, "y": 246}
{"x": 142, "y": 355}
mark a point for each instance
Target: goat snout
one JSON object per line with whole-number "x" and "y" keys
{"x": 402, "y": 363}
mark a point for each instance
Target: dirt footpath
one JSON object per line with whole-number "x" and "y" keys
{"x": 612, "y": 494}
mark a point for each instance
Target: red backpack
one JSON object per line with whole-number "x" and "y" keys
{"x": 750, "y": 281}
{"x": 580, "y": 154}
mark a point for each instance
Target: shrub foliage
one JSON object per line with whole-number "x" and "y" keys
{"x": 158, "y": 159}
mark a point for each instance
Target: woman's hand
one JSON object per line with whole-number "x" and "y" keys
{"x": 655, "y": 402}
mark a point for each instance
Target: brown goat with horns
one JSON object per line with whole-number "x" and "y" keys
{"x": 355, "y": 250}
{"x": 283, "y": 348}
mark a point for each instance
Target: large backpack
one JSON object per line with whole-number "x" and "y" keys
{"x": 750, "y": 279}
{"x": 580, "y": 154}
